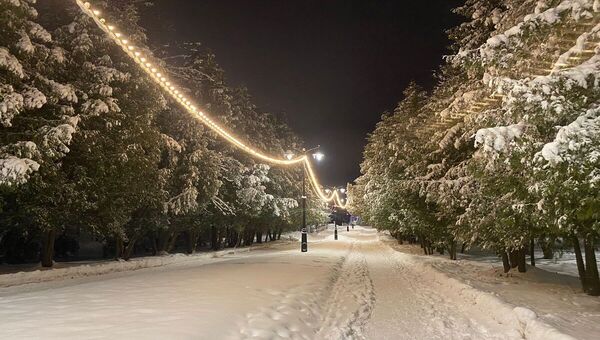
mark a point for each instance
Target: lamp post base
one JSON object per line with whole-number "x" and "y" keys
{"x": 304, "y": 243}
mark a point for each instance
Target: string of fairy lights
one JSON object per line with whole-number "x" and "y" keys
{"x": 153, "y": 71}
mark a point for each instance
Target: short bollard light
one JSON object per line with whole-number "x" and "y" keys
{"x": 347, "y": 228}
{"x": 304, "y": 245}
{"x": 335, "y": 232}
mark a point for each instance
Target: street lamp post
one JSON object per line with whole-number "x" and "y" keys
{"x": 318, "y": 156}
{"x": 304, "y": 244}
{"x": 335, "y": 230}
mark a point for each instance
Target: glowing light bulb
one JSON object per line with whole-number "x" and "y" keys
{"x": 125, "y": 41}
{"x": 96, "y": 12}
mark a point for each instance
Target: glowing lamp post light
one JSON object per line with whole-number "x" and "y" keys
{"x": 318, "y": 156}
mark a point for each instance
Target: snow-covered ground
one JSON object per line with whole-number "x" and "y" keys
{"x": 562, "y": 262}
{"x": 357, "y": 287}
{"x": 553, "y": 292}
{"x": 13, "y": 275}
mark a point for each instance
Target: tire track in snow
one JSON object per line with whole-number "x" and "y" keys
{"x": 351, "y": 303}
{"x": 338, "y": 309}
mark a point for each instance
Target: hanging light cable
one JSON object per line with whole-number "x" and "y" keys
{"x": 154, "y": 73}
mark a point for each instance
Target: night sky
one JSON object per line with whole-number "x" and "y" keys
{"x": 331, "y": 67}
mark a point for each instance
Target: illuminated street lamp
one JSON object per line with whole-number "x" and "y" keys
{"x": 318, "y": 156}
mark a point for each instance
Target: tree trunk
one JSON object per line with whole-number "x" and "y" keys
{"x": 213, "y": 238}
{"x": 462, "y": 248}
{"x": 128, "y": 249}
{"x": 591, "y": 267}
{"x": 192, "y": 238}
{"x": 118, "y": 247}
{"x": 249, "y": 238}
{"x": 164, "y": 241}
{"x": 47, "y": 255}
{"x": 505, "y": 262}
{"x": 513, "y": 258}
{"x": 233, "y": 238}
{"x": 452, "y": 250}
{"x": 521, "y": 261}
{"x": 172, "y": 241}
{"x": 154, "y": 246}
{"x": 279, "y": 234}
{"x": 258, "y": 237}
{"x": 579, "y": 260}
{"x": 546, "y": 246}
{"x": 532, "y": 251}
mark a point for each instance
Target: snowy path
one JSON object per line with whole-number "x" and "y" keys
{"x": 353, "y": 288}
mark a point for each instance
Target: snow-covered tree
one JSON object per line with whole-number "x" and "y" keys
{"x": 489, "y": 163}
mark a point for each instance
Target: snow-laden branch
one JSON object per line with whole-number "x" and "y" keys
{"x": 582, "y": 134}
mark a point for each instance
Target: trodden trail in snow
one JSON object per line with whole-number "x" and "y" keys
{"x": 356, "y": 287}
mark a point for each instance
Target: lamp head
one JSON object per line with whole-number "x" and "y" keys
{"x": 318, "y": 156}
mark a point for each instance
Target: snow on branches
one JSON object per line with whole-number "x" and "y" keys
{"x": 56, "y": 139}
{"x": 10, "y": 63}
{"x": 579, "y": 141}
{"x": 498, "y": 139}
{"x": 14, "y": 171}
{"x": 11, "y": 103}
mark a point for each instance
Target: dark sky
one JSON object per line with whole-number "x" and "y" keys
{"x": 333, "y": 67}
